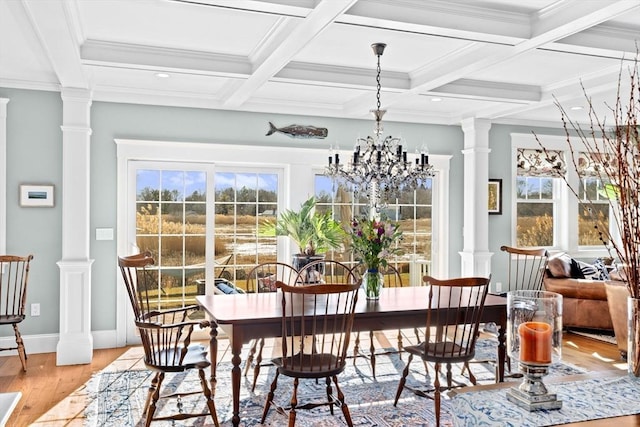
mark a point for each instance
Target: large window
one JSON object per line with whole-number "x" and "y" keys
{"x": 171, "y": 211}
{"x": 242, "y": 199}
{"x": 558, "y": 205}
{"x": 413, "y": 211}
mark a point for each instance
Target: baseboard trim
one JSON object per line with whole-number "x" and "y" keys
{"x": 47, "y": 343}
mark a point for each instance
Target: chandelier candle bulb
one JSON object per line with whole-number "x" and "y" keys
{"x": 535, "y": 342}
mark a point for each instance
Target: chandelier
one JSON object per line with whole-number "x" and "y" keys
{"x": 379, "y": 166}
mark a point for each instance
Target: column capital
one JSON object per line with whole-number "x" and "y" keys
{"x": 473, "y": 124}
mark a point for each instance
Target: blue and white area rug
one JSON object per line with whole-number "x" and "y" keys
{"x": 581, "y": 401}
{"x": 117, "y": 397}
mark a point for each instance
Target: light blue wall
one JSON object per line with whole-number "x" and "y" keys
{"x": 34, "y": 155}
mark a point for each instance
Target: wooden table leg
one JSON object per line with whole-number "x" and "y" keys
{"x": 236, "y": 373}
{"x": 213, "y": 349}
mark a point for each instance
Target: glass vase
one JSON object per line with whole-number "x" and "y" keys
{"x": 372, "y": 284}
{"x": 534, "y": 339}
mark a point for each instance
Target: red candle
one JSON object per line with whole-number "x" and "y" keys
{"x": 535, "y": 342}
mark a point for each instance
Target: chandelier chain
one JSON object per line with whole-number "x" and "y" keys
{"x": 379, "y": 87}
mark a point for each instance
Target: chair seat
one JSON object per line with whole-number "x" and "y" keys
{"x": 439, "y": 350}
{"x": 10, "y": 319}
{"x": 309, "y": 366}
{"x": 196, "y": 357}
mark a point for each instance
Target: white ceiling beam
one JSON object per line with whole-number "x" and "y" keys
{"x": 55, "y": 25}
{"x": 317, "y": 21}
{"x": 547, "y": 28}
{"x": 122, "y": 55}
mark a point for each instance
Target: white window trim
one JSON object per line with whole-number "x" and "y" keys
{"x": 566, "y": 232}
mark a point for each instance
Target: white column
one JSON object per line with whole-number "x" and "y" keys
{"x": 76, "y": 342}
{"x": 476, "y": 258}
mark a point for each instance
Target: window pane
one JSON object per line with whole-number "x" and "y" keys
{"x": 534, "y": 224}
{"x": 593, "y": 220}
{"x": 242, "y": 202}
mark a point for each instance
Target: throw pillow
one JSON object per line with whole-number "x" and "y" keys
{"x": 601, "y": 266}
{"x": 268, "y": 283}
{"x": 560, "y": 265}
{"x": 588, "y": 271}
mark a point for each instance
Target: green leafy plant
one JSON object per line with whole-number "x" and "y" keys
{"x": 313, "y": 232}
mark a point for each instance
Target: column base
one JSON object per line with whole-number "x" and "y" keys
{"x": 74, "y": 351}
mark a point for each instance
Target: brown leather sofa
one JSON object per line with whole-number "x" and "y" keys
{"x": 584, "y": 302}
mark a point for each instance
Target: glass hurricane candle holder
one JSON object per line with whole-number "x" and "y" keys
{"x": 534, "y": 340}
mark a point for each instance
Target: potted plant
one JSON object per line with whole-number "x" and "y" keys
{"x": 314, "y": 233}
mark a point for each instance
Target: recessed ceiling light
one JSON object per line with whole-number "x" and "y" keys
{"x": 436, "y": 99}
{"x": 577, "y": 107}
{"x": 162, "y": 75}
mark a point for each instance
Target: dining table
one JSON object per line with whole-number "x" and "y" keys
{"x": 243, "y": 317}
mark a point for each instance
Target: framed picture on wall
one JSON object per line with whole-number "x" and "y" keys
{"x": 34, "y": 196}
{"x": 495, "y": 197}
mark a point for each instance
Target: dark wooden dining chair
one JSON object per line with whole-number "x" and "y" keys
{"x": 325, "y": 271}
{"x": 165, "y": 336}
{"x": 323, "y": 315}
{"x": 525, "y": 271}
{"x": 392, "y": 279}
{"x": 14, "y": 278}
{"x": 525, "y": 267}
{"x": 453, "y": 318}
{"x": 263, "y": 278}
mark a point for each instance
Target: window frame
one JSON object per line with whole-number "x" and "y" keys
{"x": 567, "y": 207}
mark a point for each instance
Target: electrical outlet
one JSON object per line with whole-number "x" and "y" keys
{"x": 498, "y": 287}
{"x": 35, "y": 310}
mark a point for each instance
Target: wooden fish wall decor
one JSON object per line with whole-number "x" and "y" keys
{"x": 299, "y": 131}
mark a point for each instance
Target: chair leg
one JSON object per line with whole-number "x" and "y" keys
{"x": 343, "y": 405}
{"x": 294, "y": 403}
{"x": 372, "y": 351}
{"x": 21, "y": 351}
{"x": 400, "y": 345}
{"x": 436, "y": 394}
{"x": 256, "y": 369}
{"x": 356, "y": 347}
{"x": 403, "y": 380}
{"x": 249, "y": 361}
{"x": 207, "y": 394}
{"x": 329, "y": 395}
{"x": 152, "y": 398}
{"x": 270, "y": 395}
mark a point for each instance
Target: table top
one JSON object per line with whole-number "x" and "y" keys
{"x": 247, "y": 308}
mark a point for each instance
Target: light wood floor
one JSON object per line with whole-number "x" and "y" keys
{"x": 45, "y": 384}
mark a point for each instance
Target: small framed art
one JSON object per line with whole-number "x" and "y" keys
{"x": 36, "y": 196}
{"x": 495, "y": 196}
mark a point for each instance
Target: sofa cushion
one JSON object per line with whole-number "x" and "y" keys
{"x": 560, "y": 265}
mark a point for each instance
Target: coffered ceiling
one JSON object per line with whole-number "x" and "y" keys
{"x": 502, "y": 60}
